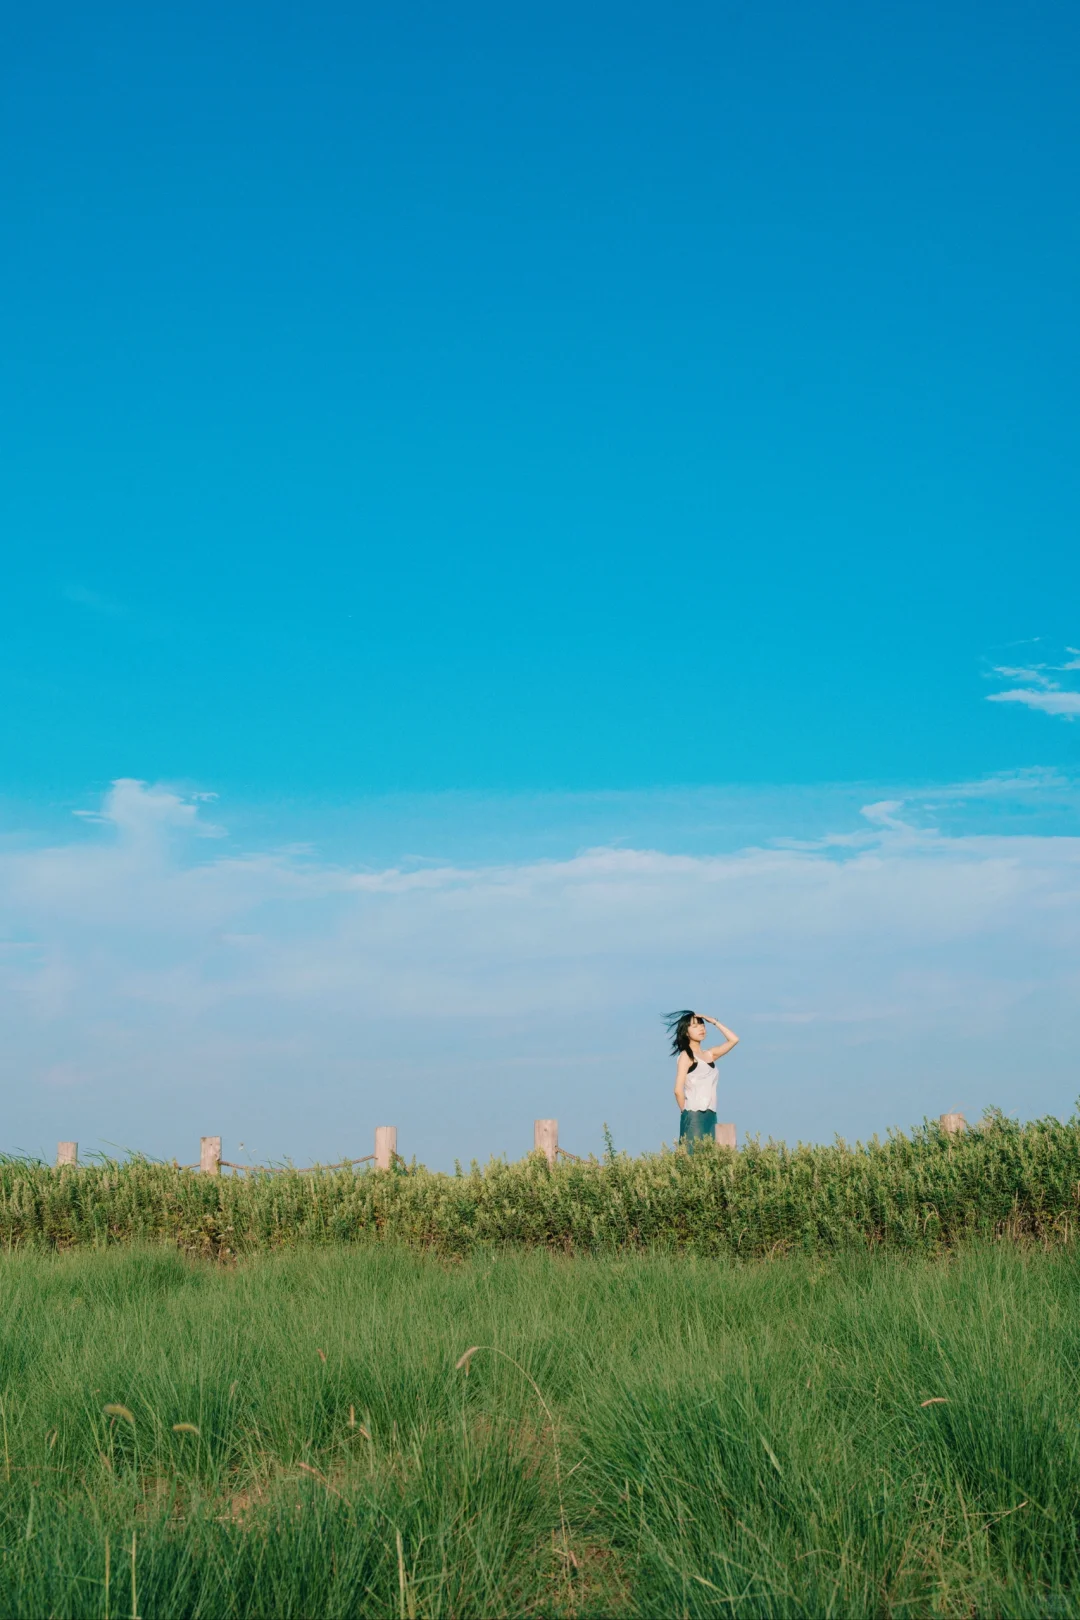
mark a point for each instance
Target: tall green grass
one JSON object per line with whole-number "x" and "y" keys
{"x": 910, "y": 1193}
{"x": 295, "y": 1435}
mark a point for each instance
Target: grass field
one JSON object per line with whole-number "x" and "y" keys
{"x": 646, "y": 1435}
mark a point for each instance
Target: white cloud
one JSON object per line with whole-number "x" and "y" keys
{"x": 1033, "y": 779}
{"x": 1049, "y": 701}
{"x": 1042, "y": 691}
{"x": 1012, "y": 672}
{"x": 140, "y": 813}
{"x": 295, "y": 999}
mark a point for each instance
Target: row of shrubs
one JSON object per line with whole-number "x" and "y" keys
{"x": 916, "y": 1192}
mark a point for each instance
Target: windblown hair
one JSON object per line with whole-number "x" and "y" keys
{"x": 678, "y": 1026}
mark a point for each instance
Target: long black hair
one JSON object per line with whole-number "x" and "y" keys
{"x": 678, "y": 1027}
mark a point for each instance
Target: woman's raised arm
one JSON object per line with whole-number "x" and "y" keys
{"x": 731, "y": 1039}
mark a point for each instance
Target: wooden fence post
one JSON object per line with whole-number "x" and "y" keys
{"x": 546, "y": 1139}
{"x": 952, "y": 1124}
{"x": 210, "y": 1155}
{"x": 67, "y": 1153}
{"x": 385, "y": 1146}
{"x": 725, "y": 1136}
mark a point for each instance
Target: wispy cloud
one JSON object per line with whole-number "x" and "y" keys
{"x": 94, "y": 601}
{"x": 1050, "y": 701}
{"x": 291, "y": 999}
{"x": 1016, "y": 672}
{"x": 1043, "y": 690}
{"x": 1032, "y": 780}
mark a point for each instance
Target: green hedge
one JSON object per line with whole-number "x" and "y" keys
{"x": 916, "y": 1193}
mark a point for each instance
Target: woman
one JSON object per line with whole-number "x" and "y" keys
{"x": 695, "y": 1073}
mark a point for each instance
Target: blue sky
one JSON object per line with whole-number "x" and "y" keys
{"x": 462, "y": 440}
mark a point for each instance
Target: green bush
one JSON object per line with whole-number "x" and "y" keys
{"x": 914, "y": 1193}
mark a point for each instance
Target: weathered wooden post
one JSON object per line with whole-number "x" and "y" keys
{"x": 67, "y": 1153}
{"x": 952, "y": 1124}
{"x": 725, "y": 1136}
{"x": 210, "y": 1155}
{"x": 385, "y": 1146}
{"x": 546, "y": 1139}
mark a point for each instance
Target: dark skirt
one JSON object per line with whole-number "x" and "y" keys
{"x": 697, "y": 1125}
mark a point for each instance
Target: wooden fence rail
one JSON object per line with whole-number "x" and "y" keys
{"x": 545, "y": 1141}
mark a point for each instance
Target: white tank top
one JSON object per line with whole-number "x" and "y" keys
{"x": 700, "y": 1088}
